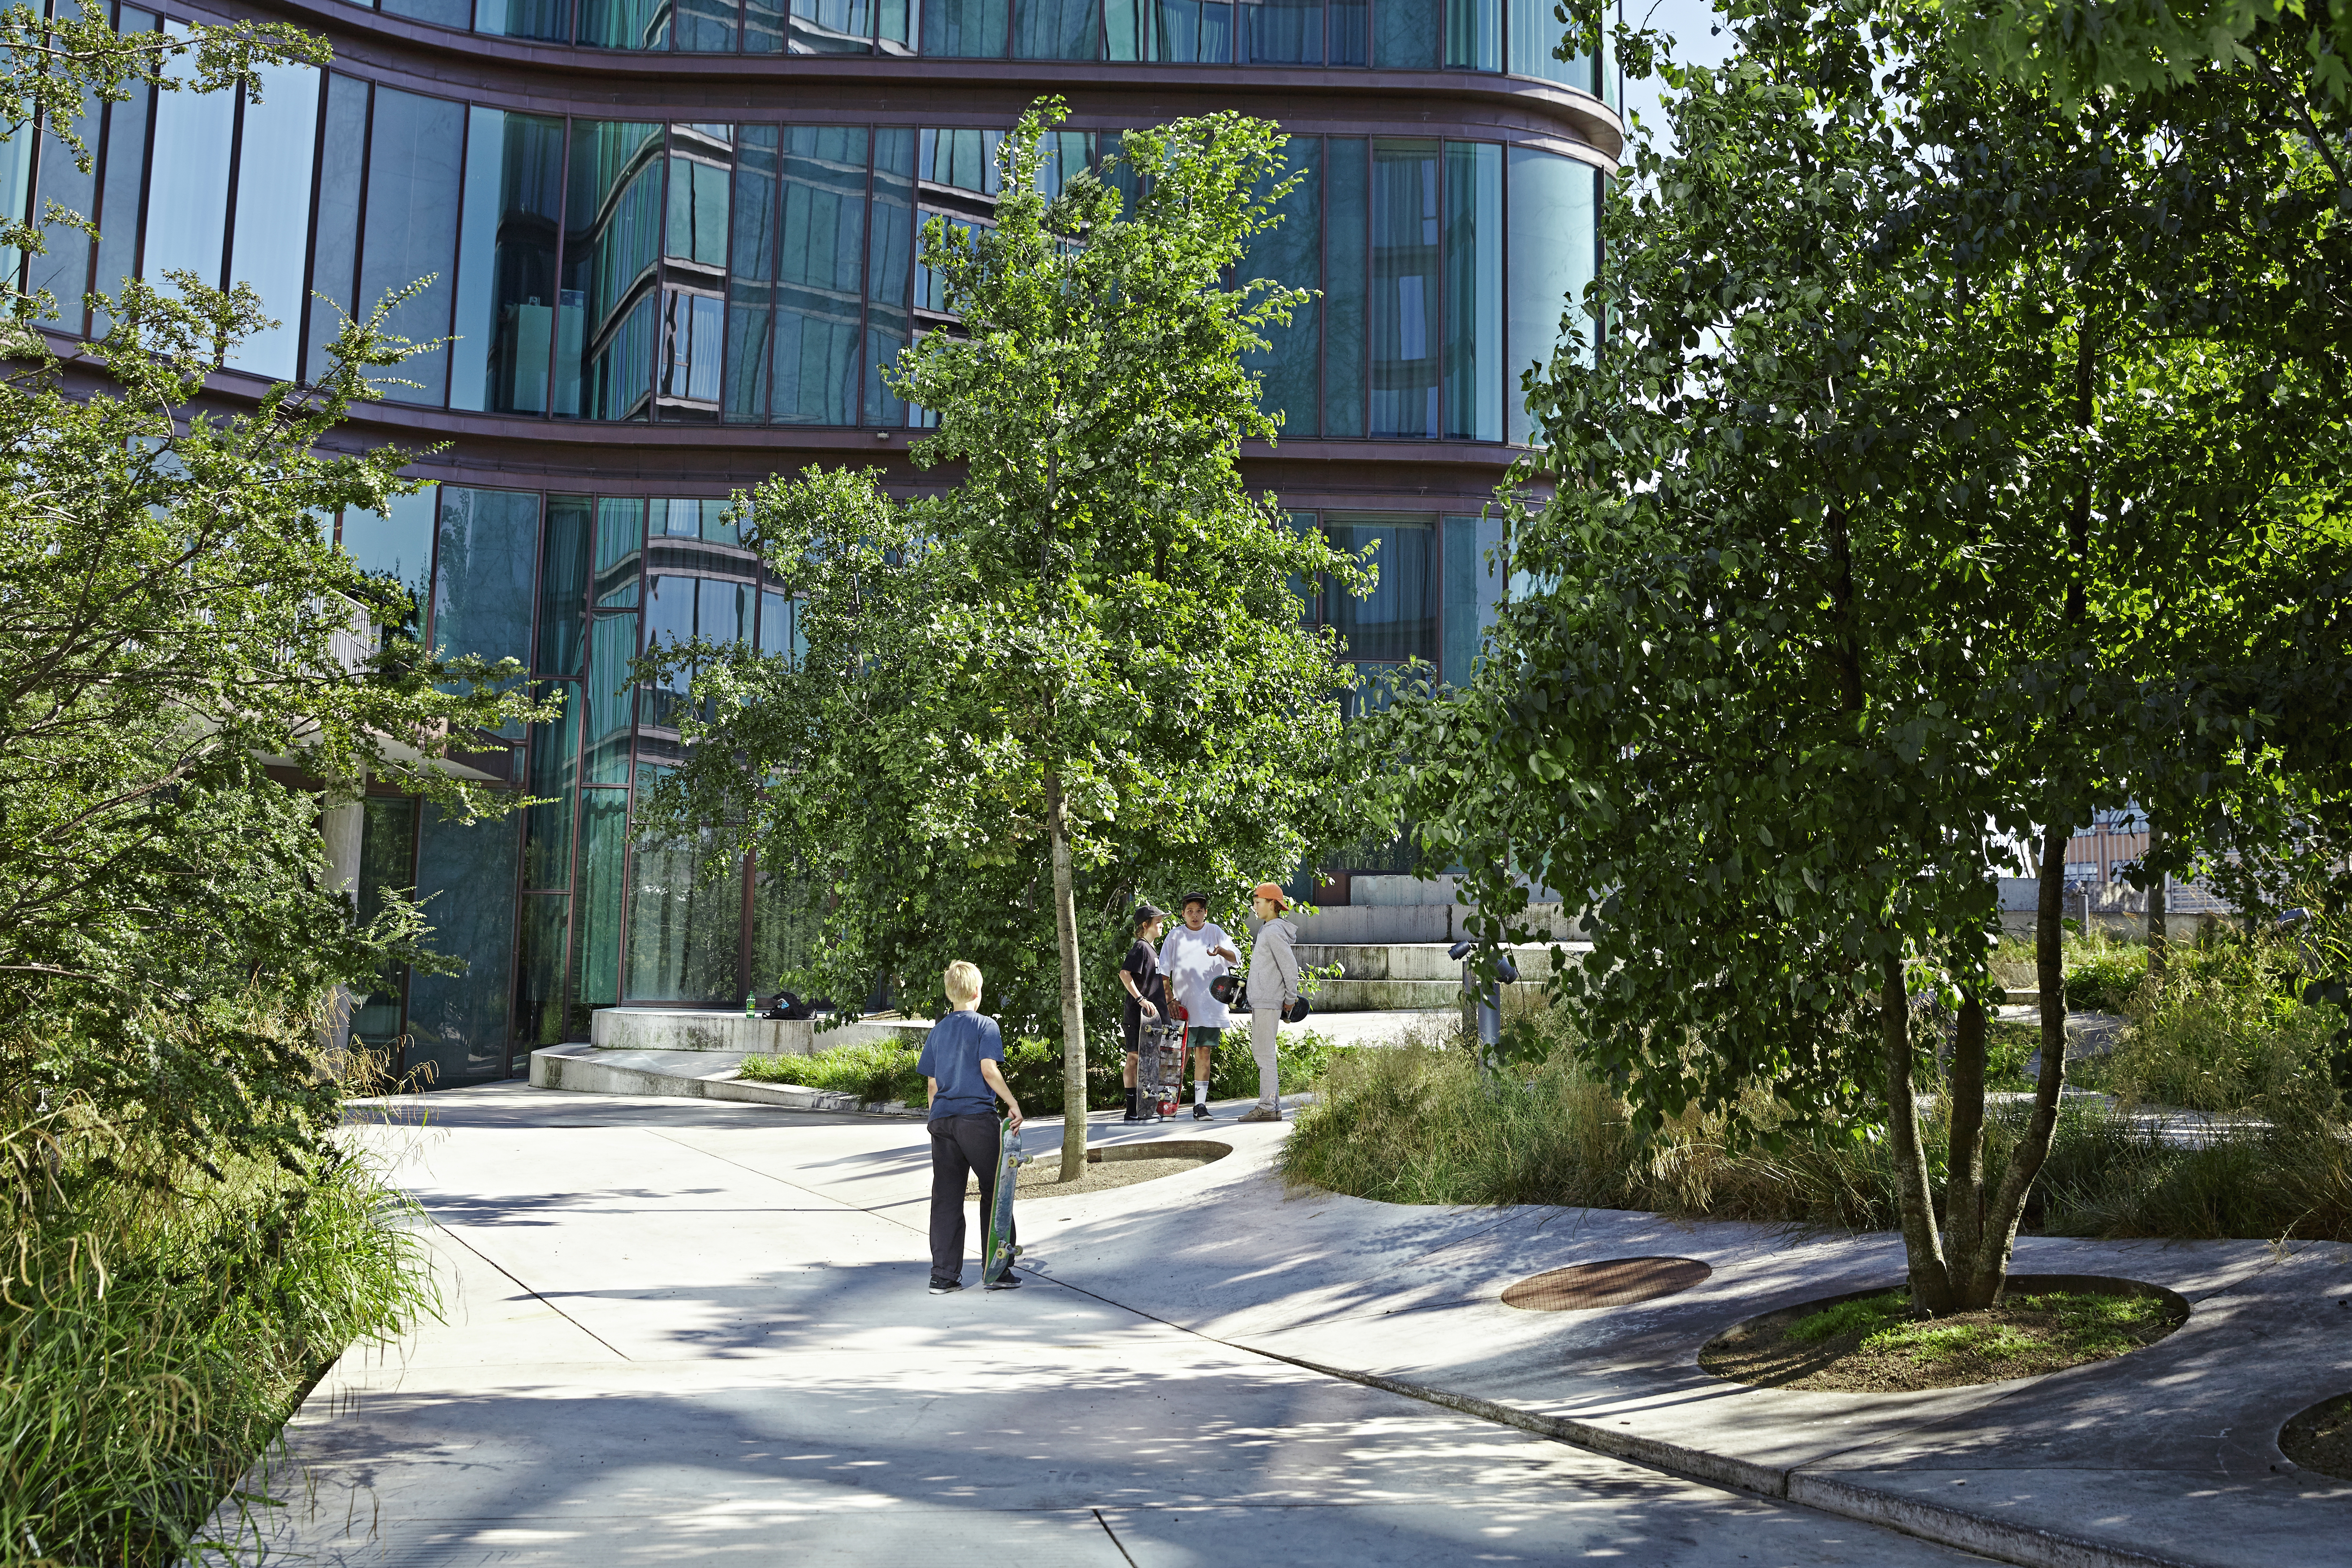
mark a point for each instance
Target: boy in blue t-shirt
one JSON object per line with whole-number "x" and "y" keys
{"x": 960, "y": 1061}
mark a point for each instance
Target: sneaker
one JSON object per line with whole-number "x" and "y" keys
{"x": 1007, "y": 1280}
{"x": 1200, "y": 1111}
{"x": 1262, "y": 1113}
{"x": 1132, "y": 1115}
{"x": 947, "y": 1288}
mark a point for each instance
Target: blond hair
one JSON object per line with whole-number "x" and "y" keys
{"x": 962, "y": 981}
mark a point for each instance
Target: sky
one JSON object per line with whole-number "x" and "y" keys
{"x": 1687, "y": 21}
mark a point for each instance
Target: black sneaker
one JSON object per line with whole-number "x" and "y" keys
{"x": 1008, "y": 1280}
{"x": 1132, "y": 1115}
{"x": 947, "y": 1289}
{"x": 1200, "y": 1111}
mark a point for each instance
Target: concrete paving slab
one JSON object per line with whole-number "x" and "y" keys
{"x": 664, "y": 1338}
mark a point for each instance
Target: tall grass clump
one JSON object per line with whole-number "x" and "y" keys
{"x": 162, "y": 1314}
{"x": 1420, "y": 1124}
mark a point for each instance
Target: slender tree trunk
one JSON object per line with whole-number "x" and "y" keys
{"x": 2156, "y": 935}
{"x": 1073, "y": 1016}
{"x": 1931, "y": 1284}
{"x": 1988, "y": 1270}
{"x": 1964, "y": 1194}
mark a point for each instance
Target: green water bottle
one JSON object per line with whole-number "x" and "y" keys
{"x": 750, "y": 1004}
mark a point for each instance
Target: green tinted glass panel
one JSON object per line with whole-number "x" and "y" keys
{"x": 1291, "y": 253}
{"x": 1054, "y": 31}
{"x": 1406, "y": 33}
{"x": 611, "y": 700}
{"x": 1281, "y": 32}
{"x": 544, "y": 934}
{"x": 415, "y": 183}
{"x": 1555, "y": 251}
{"x": 483, "y": 580}
{"x": 64, "y": 268}
{"x": 821, "y": 271}
{"x": 625, "y": 24}
{"x": 784, "y": 929}
{"x": 387, "y": 860}
{"x": 396, "y": 549}
{"x": 465, "y": 873}
{"x": 507, "y": 288}
{"x": 684, "y": 930}
{"x": 563, "y": 585}
{"x": 1398, "y": 619}
{"x": 596, "y": 945}
{"x": 966, "y": 28}
{"x": 1407, "y": 278}
{"x": 1474, "y": 291}
{"x": 335, "y": 235}
{"x": 751, "y": 280}
{"x": 555, "y": 771}
{"x": 620, "y": 547}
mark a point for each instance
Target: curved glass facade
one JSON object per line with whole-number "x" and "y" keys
{"x": 1515, "y": 36}
{"x": 644, "y": 301}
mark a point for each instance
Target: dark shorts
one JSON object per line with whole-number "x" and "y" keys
{"x": 1204, "y": 1038}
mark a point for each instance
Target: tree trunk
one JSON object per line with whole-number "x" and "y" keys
{"x": 2156, "y": 931}
{"x": 1964, "y": 1177}
{"x": 1074, "y": 1019}
{"x": 1931, "y": 1284}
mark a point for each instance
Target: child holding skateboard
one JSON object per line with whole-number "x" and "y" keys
{"x": 1194, "y": 955}
{"x": 962, "y": 1064}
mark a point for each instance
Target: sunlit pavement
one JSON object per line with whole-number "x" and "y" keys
{"x": 679, "y": 1331}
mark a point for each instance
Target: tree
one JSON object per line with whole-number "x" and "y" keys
{"x": 1941, "y": 445}
{"x": 172, "y": 620}
{"x": 1081, "y": 670}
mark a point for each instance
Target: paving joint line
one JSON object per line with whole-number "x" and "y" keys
{"x": 534, "y": 1295}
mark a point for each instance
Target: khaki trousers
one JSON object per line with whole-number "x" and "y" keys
{"x": 1262, "y": 1023}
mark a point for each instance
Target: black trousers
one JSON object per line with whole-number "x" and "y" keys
{"x": 959, "y": 1146}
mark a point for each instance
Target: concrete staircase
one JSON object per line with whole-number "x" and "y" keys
{"x": 1399, "y": 976}
{"x": 1390, "y": 940}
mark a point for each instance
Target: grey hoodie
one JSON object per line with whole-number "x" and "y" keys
{"x": 1274, "y": 968}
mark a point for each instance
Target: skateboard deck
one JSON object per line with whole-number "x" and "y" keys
{"x": 999, "y": 1252}
{"x": 1160, "y": 1068}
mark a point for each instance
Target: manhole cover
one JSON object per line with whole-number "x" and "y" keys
{"x": 1618, "y": 1282}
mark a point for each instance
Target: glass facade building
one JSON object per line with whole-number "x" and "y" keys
{"x": 660, "y": 282}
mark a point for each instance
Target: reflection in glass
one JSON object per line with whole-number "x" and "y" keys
{"x": 1406, "y": 279}
{"x": 483, "y": 578}
{"x": 684, "y": 930}
{"x": 625, "y": 24}
{"x": 1053, "y": 30}
{"x": 1555, "y": 251}
{"x": 764, "y": 26}
{"x": 1291, "y": 253}
{"x": 273, "y": 213}
{"x": 620, "y": 540}
{"x": 706, "y": 26}
{"x": 750, "y": 280}
{"x": 412, "y": 194}
{"x": 440, "y": 13}
{"x": 548, "y": 19}
{"x": 1397, "y": 620}
{"x": 1343, "y": 347}
{"x": 563, "y": 585}
{"x": 890, "y": 249}
{"x": 545, "y": 934}
{"x": 784, "y": 928}
{"x": 965, "y": 29}
{"x": 387, "y": 860}
{"x": 461, "y": 1023}
{"x": 596, "y": 935}
{"x": 335, "y": 235}
{"x": 829, "y": 27}
{"x": 396, "y": 549}
{"x": 554, "y": 774}
{"x": 612, "y": 699}
{"x": 821, "y": 267}
{"x": 1535, "y": 33}
{"x": 63, "y": 267}
{"x": 1406, "y": 33}
{"x": 187, "y": 185}
{"x": 693, "y": 333}
{"x": 1474, "y": 591}
{"x": 506, "y": 300}
{"x": 125, "y": 177}
{"x": 698, "y": 205}
{"x": 1350, "y": 37}
{"x": 1474, "y": 291}
{"x": 896, "y": 25}
{"x": 611, "y": 245}
{"x": 1282, "y": 32}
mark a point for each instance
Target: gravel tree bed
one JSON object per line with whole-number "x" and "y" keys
{"x": 2321, "y": 1437}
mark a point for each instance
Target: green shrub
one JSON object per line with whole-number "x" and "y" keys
{"x": 162, "y": 1323}
{"x": 2104, "y": 976}
{"x": 2223, "y": 1030}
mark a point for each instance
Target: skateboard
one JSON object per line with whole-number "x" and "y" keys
{"x": 999, "y": 1251}
{"x": 1160, "y": 1068}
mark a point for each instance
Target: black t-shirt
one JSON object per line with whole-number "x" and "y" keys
{"x": 1144, "y": 964}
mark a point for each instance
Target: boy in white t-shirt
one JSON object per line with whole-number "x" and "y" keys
{"x": 1190, "y": 956}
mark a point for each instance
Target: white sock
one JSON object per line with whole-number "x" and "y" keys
{"x": 1200, "y": 1091}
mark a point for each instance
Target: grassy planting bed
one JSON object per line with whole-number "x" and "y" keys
{"x": 883, "y": 1070}
{"x": 2321, "y": 1437}
{"x": 1877, "y": 1344}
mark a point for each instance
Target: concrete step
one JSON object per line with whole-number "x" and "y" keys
{"x": 693, "y": 1029}
{"x": 1414, "y": 960}
{"x": 684, "y": 1075}
{"x": 1359, "y": 923}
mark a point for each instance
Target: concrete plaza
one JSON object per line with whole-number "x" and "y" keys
{"x": 684, "y": 1330}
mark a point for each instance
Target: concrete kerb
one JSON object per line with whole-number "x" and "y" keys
{"x": 685, "y": 1075}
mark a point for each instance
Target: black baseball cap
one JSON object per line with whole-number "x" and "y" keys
{"x": 1146, "y": 913}
{"x": 1189, "y": 898}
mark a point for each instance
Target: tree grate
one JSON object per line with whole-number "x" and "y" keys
{"x": 1617, "y": 1282}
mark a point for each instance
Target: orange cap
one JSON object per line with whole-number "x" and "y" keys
{"x": 1272, "y": 892}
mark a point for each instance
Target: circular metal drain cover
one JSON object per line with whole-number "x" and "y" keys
{"x": 1618, "y": 1282}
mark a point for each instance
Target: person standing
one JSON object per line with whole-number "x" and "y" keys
{"x": 1273, "y": 986}
{"x": 1139, "y": 976}
{"x": 962, "y": 1065}
{"x": 1194, "y": 955}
